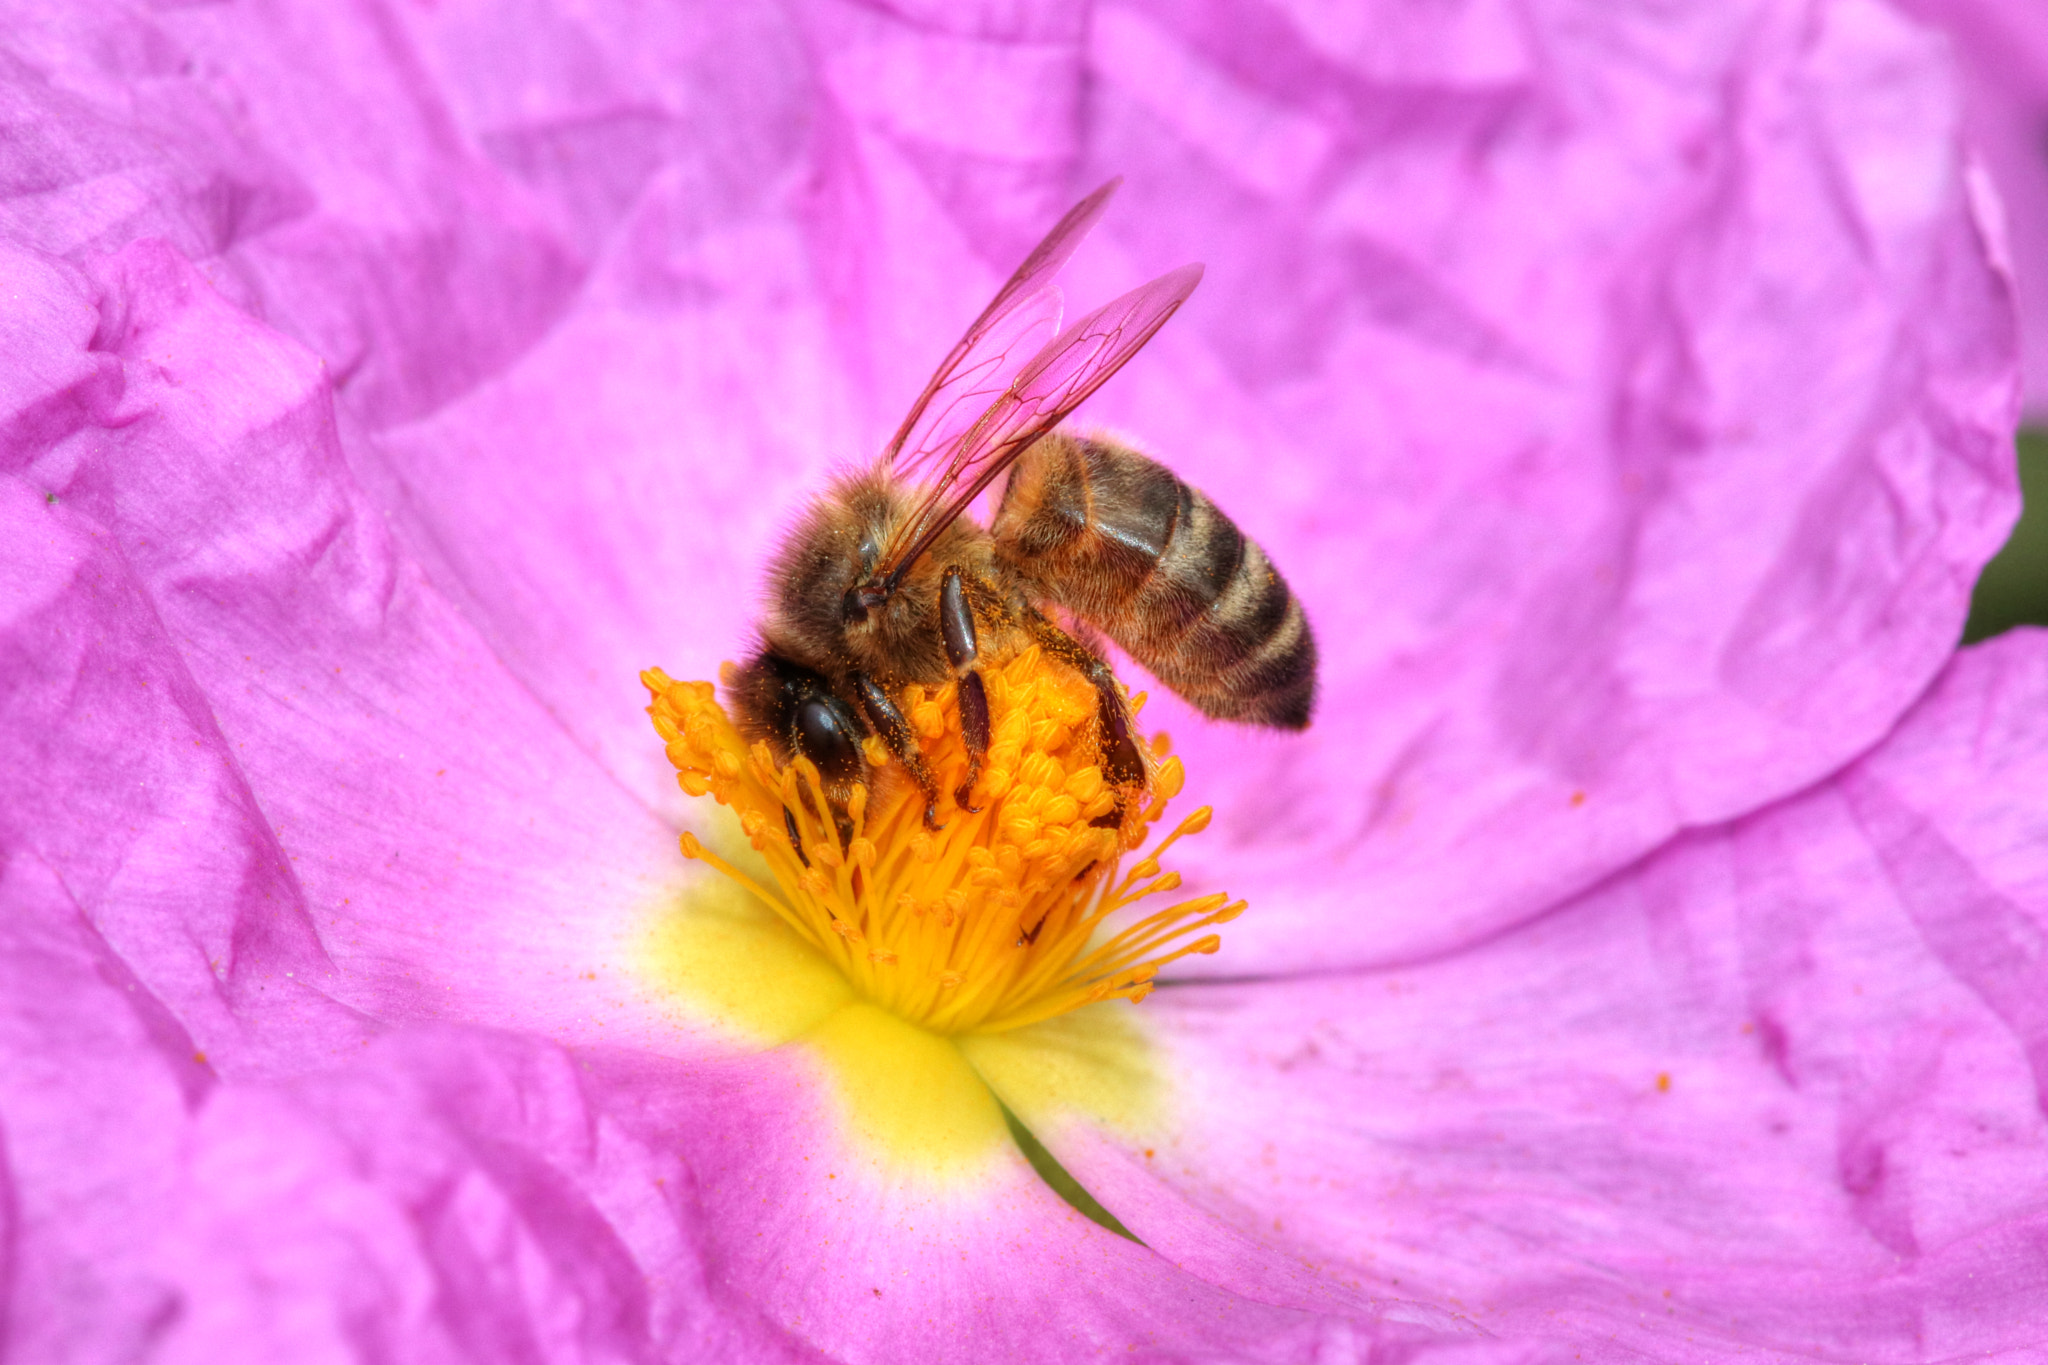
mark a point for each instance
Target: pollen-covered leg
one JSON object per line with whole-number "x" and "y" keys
{"x": 1121, "y": 764}
{"x": 974, "y": 735}
{"x": 896, "y": 732}
{"x": 963, "y": 651}
{"x": 1123, "y": 767}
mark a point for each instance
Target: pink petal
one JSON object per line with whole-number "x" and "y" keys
{"x": 2002, "y": 46}
{"x": 871, "y": 1265}
{"x": 431, "y": 1196}
{"x": 1601, "y": 538}
{"x": 267, "y": 799}
{"x": 1777, "y": 1090}
{"x": 243, "y": 728}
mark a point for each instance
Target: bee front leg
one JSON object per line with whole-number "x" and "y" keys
{"x": 963, "y": 651}
{"x": 894, "y": 728}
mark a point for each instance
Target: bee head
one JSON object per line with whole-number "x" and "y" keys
{"x": 827, "y": 606}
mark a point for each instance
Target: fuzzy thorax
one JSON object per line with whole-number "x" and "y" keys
{"x": 1001, "y": 918}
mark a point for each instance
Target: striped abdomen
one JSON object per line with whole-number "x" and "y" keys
{"x": 1116, "y": 539}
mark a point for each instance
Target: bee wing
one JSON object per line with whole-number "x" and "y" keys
{"x": 1024, "y": 314}
{"x": 979, "y": 371}
{"x": 1068, "y": 369}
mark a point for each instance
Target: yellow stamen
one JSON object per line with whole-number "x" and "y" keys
{"x": 998, "y": 920}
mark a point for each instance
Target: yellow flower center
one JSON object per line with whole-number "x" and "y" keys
{"x": 1007, "y": 915}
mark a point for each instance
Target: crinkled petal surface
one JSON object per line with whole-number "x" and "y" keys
{"x": 223, "y": 668}
{"x": 241, "y": 737}
{"x": 1775, "y": 1092}
{"x": 2003, "y": 49}
{"x": 1624, "y": 390}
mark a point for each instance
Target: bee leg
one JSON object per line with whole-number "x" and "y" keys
{"x": 894, "y": 728}
{"x": 974, "y": 729}
{"x": 963, "y": 651}
{"x": 1123, "y": 768}
{"x": 796, "y": 837}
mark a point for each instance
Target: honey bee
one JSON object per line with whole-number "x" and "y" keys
{"x": 887, "y": 582}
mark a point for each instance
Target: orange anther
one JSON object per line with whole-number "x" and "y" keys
{"x": 1167, "y": 785}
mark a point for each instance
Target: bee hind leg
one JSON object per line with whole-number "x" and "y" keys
{"x": 894, "y": 728}
{"x": 1123, "y": 767}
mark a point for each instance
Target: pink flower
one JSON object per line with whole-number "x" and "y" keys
{"x": 1644, "y": 953}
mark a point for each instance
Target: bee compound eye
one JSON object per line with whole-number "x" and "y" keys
{"x": 825, "y": 734}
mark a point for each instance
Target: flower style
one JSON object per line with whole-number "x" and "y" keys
{"x": 1642, "y": 952}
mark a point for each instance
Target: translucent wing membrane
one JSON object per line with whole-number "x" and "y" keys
{"x": 979, "y": 377}
{"x": 1022, "y": 317}
{"x": 1062, "y": 374}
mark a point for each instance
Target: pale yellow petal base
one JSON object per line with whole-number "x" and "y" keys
{"x": 916, "y": 1104}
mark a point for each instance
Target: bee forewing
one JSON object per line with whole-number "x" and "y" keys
{"x": 1077, "y": 362}
{"x": 979, "y": 378}
{"x": 979, "y": 358}
{"x": 1070, "y": 367}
